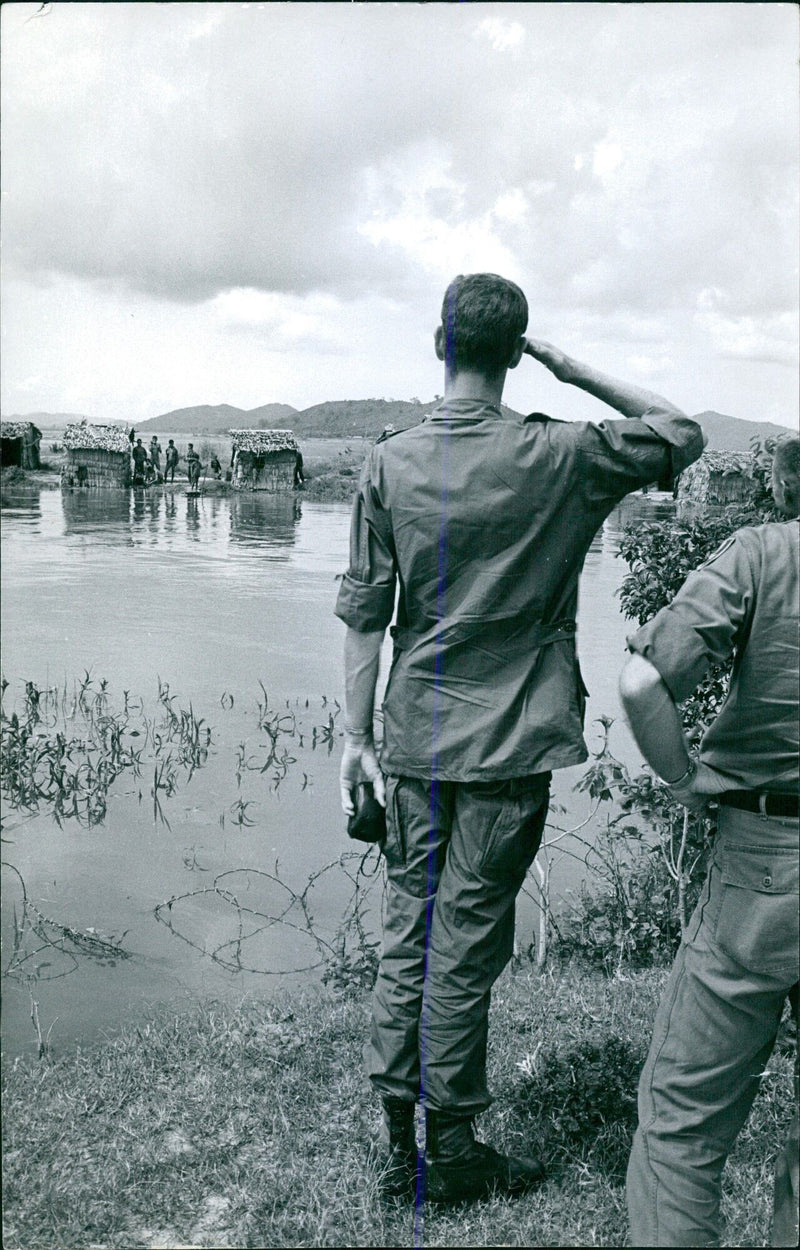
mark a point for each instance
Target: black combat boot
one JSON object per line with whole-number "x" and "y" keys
{"x": 399, "y": 1164}
{"x": 461, "y": 1169}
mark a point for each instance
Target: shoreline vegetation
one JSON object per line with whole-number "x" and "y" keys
{"x": 253, "y": 1126}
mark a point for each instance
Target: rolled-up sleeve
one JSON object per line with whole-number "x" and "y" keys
{"x": 367, "y": 590}
{"x": 620, "y": 456}
{"x": 703, "y": 623}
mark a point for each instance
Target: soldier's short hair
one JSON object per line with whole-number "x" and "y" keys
{"x": 787, "y": 458}
{"x": 483, "y": 316}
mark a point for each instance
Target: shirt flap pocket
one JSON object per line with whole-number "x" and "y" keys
{"x": 767, "y": 871}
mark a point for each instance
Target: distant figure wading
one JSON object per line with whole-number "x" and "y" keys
{"x": 193, "y": 466}
{"x": 171, "y": 461}
{"x": 155, "y": 456}
{"x": 139, "y": 456}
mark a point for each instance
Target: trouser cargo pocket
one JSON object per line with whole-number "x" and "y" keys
{"x": 757, "y": 922}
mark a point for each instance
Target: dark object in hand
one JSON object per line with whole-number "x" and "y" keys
{"x": 368, "y": 822}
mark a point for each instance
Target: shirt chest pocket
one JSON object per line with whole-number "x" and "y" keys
{"x": 757, "y": 923}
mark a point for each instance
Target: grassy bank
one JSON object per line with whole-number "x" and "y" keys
{"x": 252, "y": 1127}
{"x": 332, "y": 472}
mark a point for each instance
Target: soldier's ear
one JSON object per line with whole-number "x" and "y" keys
{"x": 438, "y": 342}
{"x": 516, "y": 355}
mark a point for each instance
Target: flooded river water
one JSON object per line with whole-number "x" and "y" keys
{"x": 228, "y": 601}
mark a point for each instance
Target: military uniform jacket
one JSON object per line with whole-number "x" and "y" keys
{"x": 477, "y": 526}
{"x": 745, "y": 601}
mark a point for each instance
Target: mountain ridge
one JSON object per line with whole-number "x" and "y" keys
{"x": 353, "y": 418}
{"x": 727, "y": 433}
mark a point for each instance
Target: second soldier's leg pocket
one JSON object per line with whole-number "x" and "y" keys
{"x": 757, "y": 923}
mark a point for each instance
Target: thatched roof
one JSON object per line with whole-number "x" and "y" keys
{"x": 18, "y": 429}
{"x": 261, "y": 442}
{"x": 718, "y": 476}
{"x": 725, "y": 462}
{"x": 85, "y": 437}
{"x": 720, "y": 464}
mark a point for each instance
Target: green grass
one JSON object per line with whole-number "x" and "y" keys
{"x": 332, "y": 476}
{"x": 253, "y": 1127}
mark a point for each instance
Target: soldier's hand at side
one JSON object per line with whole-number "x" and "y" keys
{"x": 551, "y": 357}
{"x": 359, "y": 763}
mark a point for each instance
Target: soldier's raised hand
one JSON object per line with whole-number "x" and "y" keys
{"x": 551, "y": 357}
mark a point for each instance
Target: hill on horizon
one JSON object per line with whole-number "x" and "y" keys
{"x": 216, "y": 418}
{"x": 49, "y": 420}
{"x": 734, "y": 433}
{"x": 366, "y": 418}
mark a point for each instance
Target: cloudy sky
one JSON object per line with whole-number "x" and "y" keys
{"x": 248, "y": 203}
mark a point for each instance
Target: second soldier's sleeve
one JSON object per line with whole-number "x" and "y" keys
{"x": 704, "y": 622}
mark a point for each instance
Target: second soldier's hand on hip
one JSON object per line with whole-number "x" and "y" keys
{"x": 703, "y": 787}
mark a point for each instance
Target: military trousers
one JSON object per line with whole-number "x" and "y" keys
{"x": 456, "y": 856}
{"x": 714, "y": 1032}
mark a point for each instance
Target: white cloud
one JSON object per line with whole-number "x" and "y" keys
{"x": 416, "y": 207}
{"x": 607, "y": 157}
{"x": 286, "y": 322}
{"x": 511, "y": 206}
{"x": 30, "y": 383}
{"x": 503, "y": 36}
{"x": 772, "y": 339}
{"x": 225, "y": 170}
{"x": 650, "y": 366}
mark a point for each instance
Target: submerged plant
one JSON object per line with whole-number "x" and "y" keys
{"x": 63, "y": 751}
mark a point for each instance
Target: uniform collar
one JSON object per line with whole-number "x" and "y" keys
{"x": 475, "y": 408}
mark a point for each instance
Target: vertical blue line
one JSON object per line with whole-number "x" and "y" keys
{"x": 433, "y": 826}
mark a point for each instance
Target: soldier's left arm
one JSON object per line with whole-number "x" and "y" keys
{"x": 671, "y": 655}
{"x": 366, "y": 605}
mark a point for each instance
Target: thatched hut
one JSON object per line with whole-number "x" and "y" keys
{"x": 97, "y": 455}
{"x": 19, "y": 444}
{"x": 717, "y": 479}
{"x": 264, "y": 459}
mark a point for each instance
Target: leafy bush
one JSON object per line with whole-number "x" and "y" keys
{"x": 643, "y": 865}
{"x": 580, "y": 1104}
{"x": 351, "y": 972}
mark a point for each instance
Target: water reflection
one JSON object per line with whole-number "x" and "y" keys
{"x": 192, "y": 519}
{"x": 92, "y": 510}
{"x": 264, "y": 520}
{"x": 267, "y": 523}
{"x": 22, "y": 503}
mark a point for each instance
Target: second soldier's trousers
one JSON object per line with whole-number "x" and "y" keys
{"x": 456, "y": 856}
{"x": 713, "y": 1035}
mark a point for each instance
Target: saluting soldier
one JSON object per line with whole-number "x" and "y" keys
{"x": 483, "y": 521}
